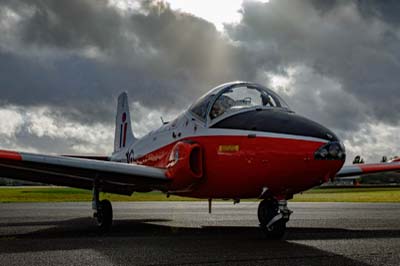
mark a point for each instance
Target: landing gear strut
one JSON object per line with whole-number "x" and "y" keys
{"x": 273, "y": 216}
{"x": 102, "y": 211}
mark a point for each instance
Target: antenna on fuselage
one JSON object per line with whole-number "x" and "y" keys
{"x": 162, "y": 121}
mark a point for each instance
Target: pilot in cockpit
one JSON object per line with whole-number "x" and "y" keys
{"x": 266, "y": 100}
{"x": 221, "y": 106}
{"x": 217, "y": 110}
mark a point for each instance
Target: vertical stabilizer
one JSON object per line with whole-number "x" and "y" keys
{"x": 123, "y": 125}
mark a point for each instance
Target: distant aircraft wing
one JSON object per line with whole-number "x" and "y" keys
{"x": 362, "y": 169}
{"x": 119, "y": 178}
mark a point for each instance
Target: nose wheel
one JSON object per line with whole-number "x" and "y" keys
{"x": 273, "y": 216}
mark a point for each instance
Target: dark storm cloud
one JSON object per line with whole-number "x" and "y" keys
{"x": 161, "y": 57}
{"x": 387, "y": 10}
{"x": 337, "y": 40}
{"x": 67, "y": 24}
{"x": 76, "y": 56}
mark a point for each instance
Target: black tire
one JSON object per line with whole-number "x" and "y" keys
{"x": 104, "y": 215}
{"x": 275, "y": 231}
{"x": 267, "y": 210}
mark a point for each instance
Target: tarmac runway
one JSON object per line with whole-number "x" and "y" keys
{"x": 183, "y": 233}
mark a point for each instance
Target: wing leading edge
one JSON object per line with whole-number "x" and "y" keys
{"x": 112, "y": 177}
{"x": 361, "y": 169}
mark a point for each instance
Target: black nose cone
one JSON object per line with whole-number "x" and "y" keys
{"x": 276, "y": 121}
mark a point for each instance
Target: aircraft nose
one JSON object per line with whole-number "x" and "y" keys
{"x": 333, "y": 150}
{"x": 275, "y": 121}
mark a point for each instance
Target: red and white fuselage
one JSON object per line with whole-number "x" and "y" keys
{"x": 238, "y": 154}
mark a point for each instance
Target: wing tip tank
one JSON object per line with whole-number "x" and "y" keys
{"x": 10, "y": 155}
{"x": 374, "y": 168}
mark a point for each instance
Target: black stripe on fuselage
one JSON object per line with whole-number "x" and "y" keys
{"x": 276, "y": 121}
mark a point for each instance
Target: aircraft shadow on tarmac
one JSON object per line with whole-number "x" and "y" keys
{"x": 212, "y": 244}
{"x": 85, "y": 227}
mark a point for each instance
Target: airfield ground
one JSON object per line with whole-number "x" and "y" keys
{"x": 62, "y": 194}
{"x": 184, "y": 233}
{"x": 35, "y": 229}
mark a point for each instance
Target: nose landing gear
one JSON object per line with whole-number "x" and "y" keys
{"x": 273, "y": 216}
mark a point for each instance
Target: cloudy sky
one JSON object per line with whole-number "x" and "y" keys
{"x": 63, "y": 64}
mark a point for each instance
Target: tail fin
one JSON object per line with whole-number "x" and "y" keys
{"x": 123, "y": 125}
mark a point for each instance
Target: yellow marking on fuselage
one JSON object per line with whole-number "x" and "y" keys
{"x": 228, "y": 148}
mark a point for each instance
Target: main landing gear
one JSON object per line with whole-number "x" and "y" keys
{"x": 103, "y": 212}
{"x": 273, "y": 216}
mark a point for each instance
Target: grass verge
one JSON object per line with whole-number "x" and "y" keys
{"x": 360, "y": 194}
{"x": 62, "y": 194}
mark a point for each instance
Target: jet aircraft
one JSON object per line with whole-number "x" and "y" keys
{"x": 240, "y": 140}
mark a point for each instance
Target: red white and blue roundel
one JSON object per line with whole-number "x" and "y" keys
{"x": 122, "y": 132}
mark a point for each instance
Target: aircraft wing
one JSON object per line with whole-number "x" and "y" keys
{"x": 113, "y": 177}
{"x": 362, "y": 169}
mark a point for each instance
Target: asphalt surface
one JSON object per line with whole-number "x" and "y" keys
{"x": 183, "y": 233}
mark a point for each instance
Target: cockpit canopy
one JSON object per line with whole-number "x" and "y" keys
{"x": 234, "y": 97}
